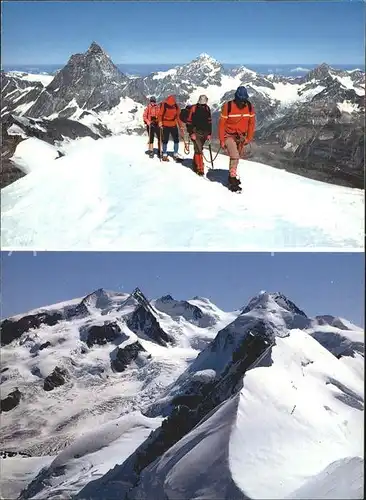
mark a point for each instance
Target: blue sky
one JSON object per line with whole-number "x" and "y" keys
{"x": 319, "y": 283}
{"x": 176, "y": 32}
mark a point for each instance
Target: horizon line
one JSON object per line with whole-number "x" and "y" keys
{"x": 177, "y": 63}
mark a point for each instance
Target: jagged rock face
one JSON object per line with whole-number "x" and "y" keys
{"x": 9, "y": 172}
{"x": 122, "y": 357}
{"x": 338, "y": 344}
{"x": 80, "y": 310}
{"x": 317, "y": 139}
{"x": 48, "y": 130}
{"x": 88, "y": 81}
{"x": 16, "y": 93}
{"x": 100, "y": 335}
{"x": 57, "y": 378}
{"x": 318, "y": 73}
{"x": 143, "y": 321}
{"x": 12, "y": 330}
{"x": 11, "y": 401}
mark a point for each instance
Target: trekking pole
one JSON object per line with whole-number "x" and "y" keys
{"x": 160, "y": 142}
{"x": 210, "y": 150}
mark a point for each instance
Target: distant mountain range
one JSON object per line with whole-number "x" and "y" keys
{"x": 311, "y": 124}
{"x": 145, "y": 69}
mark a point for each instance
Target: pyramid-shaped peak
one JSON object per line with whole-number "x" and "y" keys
{"x": 321, "y": 71}
{"x": 95, "y": 48}
{"x": 206, "y": 58}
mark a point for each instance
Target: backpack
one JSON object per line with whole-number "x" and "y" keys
{"x": 185, "y": 113}
{"x": 229, "y": 104}
{"x": 169, "y": 112}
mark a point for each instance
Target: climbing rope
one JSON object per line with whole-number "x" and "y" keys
{"x": 213, "y": 159}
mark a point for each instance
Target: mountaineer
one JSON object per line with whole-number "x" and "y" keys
{"x": 236, "y": 130}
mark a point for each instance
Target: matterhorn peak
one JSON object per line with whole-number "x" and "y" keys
{"x": 95, "y": 48}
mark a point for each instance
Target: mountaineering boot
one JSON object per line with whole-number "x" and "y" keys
{"x": 177, "y": 157}
{"x": 165, "y": 157}
{"x": 234, "y": 184}
{"x": 151, "y": 154}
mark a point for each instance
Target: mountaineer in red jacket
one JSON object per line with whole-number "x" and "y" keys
{"x": 170, "y": 123}
{"x": 236, "y": 129}
{"x": 150, "y": 118}
{"x": 199, "y": 128}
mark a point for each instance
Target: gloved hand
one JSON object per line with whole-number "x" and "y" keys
{"x": 193, "y": 137}
{"x": 209, "y": 137}
{"x": 222, "y": 144}
{"x": 160, "y": 124}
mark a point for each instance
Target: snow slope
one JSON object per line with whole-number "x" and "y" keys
{"x": 296, "y": 420}
{"x": 90, "y": 456}
{"x": 17, "y": 473}
{"x": 33, "y": 153}
{"x": 109, "y": 183}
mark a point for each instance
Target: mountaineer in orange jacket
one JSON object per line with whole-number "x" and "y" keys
{"x": 236, "y": 129}
{"x": 199, "y": 128}
{"x": 170, "y": 123}
{"x": 150, "y": 118}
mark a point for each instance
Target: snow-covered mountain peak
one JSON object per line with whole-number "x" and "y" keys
{"x": 200, "y": 73}
{"x": 206, "y": 58}
{"x": 319, "y": 73}
{"x": 202, "y": 299}
{"x": 242, "y": 71}
{"x": 99, "y": 299}
{"x": 271, "y": 301}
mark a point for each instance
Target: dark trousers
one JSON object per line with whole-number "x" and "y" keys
{"x": 170, "y": 131}
{"x": 153, "y": 130}
{"x": 174, "y": 133}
